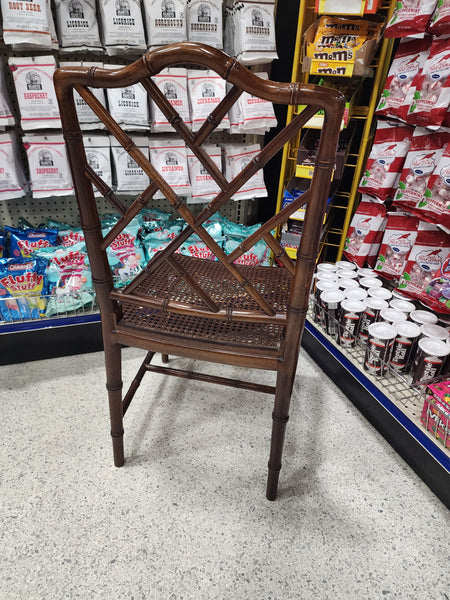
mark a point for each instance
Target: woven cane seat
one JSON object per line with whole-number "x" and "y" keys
{"x": 169, "y": 288}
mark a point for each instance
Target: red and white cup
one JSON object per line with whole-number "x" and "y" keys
{"x": 430, "y": 360}
{"x": 379, "y": 348}
{"x": 404, "y": 347}
{"x": 349, "y": 320}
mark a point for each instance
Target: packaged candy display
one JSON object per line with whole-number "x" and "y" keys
{"x": 24, "y": 28}
{"x": 98, "y": 156}
{"x": 385, "y": 163}
{"x": 169, "y": 157}
{"x": 203, "y": 185}
{"x": 206, "y": 90}
{"x": 237, "y": 157}
{"x": 3, "y": 238}
{"x": 435, "y": 415}
{"x": 86, "y": 116}
{"x": 341, "y": 46}
{"x": 23, "y": 286}
{"x": 425, "y": 276}
{"x": 33, "y": 81}
{"x": 408, "y": 60}
{"x": 24, "y": 242}
{"x": 126, "y": 254}
{"x": 410, "y": 17}
{"x": 252, "y": 115}
{"x": 432, "y": 87}
{"x": 250, "y": 31}
{"x": 129, "y": 106}
{"x": 434, "y": 206}
{"x": 77, "y": 26}
{"x": 399, "y": 237}
{"x": 165, "y": 21}
{"x": 365, "y": 233}
{"x": 12, "y": 178}
{"x": 440, "y": 19}
{"x": 122, "y": 27}
{"x": 68, "y": 278}
{"x": 204, "y": 22}
{"x": 48, "y": 165}
{"x": 6, "y": 113}
{"x": 424, "y": 154}
{"x": 173, "y": 84}
{"x": 128, "y": 175}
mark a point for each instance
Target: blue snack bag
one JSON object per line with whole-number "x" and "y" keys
{"x": 23, "y": 285}
{"x": 23, "y": 242}
{"x": 3, "y": 238}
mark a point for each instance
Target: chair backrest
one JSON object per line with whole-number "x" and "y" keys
{"x": 82, "y": 79}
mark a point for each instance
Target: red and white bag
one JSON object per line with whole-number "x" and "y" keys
{"x": 423, "y": 156}
{"x": 399, "y": 237}
{"x": 424, "y": 264}
{"x": 432, "y": 87}
{"x": 366, "y": 229}
{"x": 173, "y": 84}
{"x": 408, "y": 60}
{"x": 410, "y": 17}
{"x": 434, "y": 206}
{"x": 206, "y": 91}
{"x": 390, "y": 147}
{"x": 439, "y": 23}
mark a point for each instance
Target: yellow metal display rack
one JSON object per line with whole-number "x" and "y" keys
{"x": 346, "y": 197}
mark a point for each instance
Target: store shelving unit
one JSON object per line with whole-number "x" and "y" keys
{"x": 388, "y": 402}
{"x": 361, "y": 116}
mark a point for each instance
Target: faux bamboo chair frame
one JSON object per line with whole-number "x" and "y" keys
{"x": 216, "y": 311}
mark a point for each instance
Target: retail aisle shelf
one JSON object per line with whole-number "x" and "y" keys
{"x": 391, "y": 405}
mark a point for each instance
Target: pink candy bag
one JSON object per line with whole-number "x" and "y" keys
{"x": 365, "y": 230}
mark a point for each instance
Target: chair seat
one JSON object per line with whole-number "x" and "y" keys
{"x": 166, "y": 285}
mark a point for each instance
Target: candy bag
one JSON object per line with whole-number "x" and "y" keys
{"x": 69, "y": 279}
{"x": 3, "y": 240}
{"x": 425, "y": 265}
{"x": 439, "y": 23}
{"x": 434, "y": 206}
{"x": 438, "y": 289}
{"x": 23, "y": 285}
{"x": 432, "y": 88}
{"x": 424, "y": 154}
{"x": 410, "y": 17}
{"x": 410, "y": 56}
{"x": 24, "y": 242}
{"x": 399, "y": 237}
{"x": 366, "y": 229}
{"x": 390, "y": 147}
{"x": 173, "y": 84}
{"x": 125, "y": 255}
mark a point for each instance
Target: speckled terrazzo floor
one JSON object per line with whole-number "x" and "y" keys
{"x": 186, "y": 518}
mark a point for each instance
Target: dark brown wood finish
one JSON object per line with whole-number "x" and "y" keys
{"x": 216, "y": 311}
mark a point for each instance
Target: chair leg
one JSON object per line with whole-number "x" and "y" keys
{"x": 165, "y": 358}
{"x": 113, "y": 364}
{"x": 280, "y": 417}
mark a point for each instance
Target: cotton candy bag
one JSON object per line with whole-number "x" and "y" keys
{"x": 23, "y": 286}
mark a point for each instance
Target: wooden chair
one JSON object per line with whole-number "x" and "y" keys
{"x": 217, "y": 311}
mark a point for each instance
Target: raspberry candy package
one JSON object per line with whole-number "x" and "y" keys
{"x": 410, "y": 55}
{"x": 367, "y": 224}
{"x": 434, "y": 206}
{"x": 391, "y": 145}
{"x": 425, "y": 264}
{"x": 23, "y": 285}
{"x": 432, "y": 88}
{"x": 423, "y": 156}
{"x": 410, "y": 17}
{"x": 399, "y": 237}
